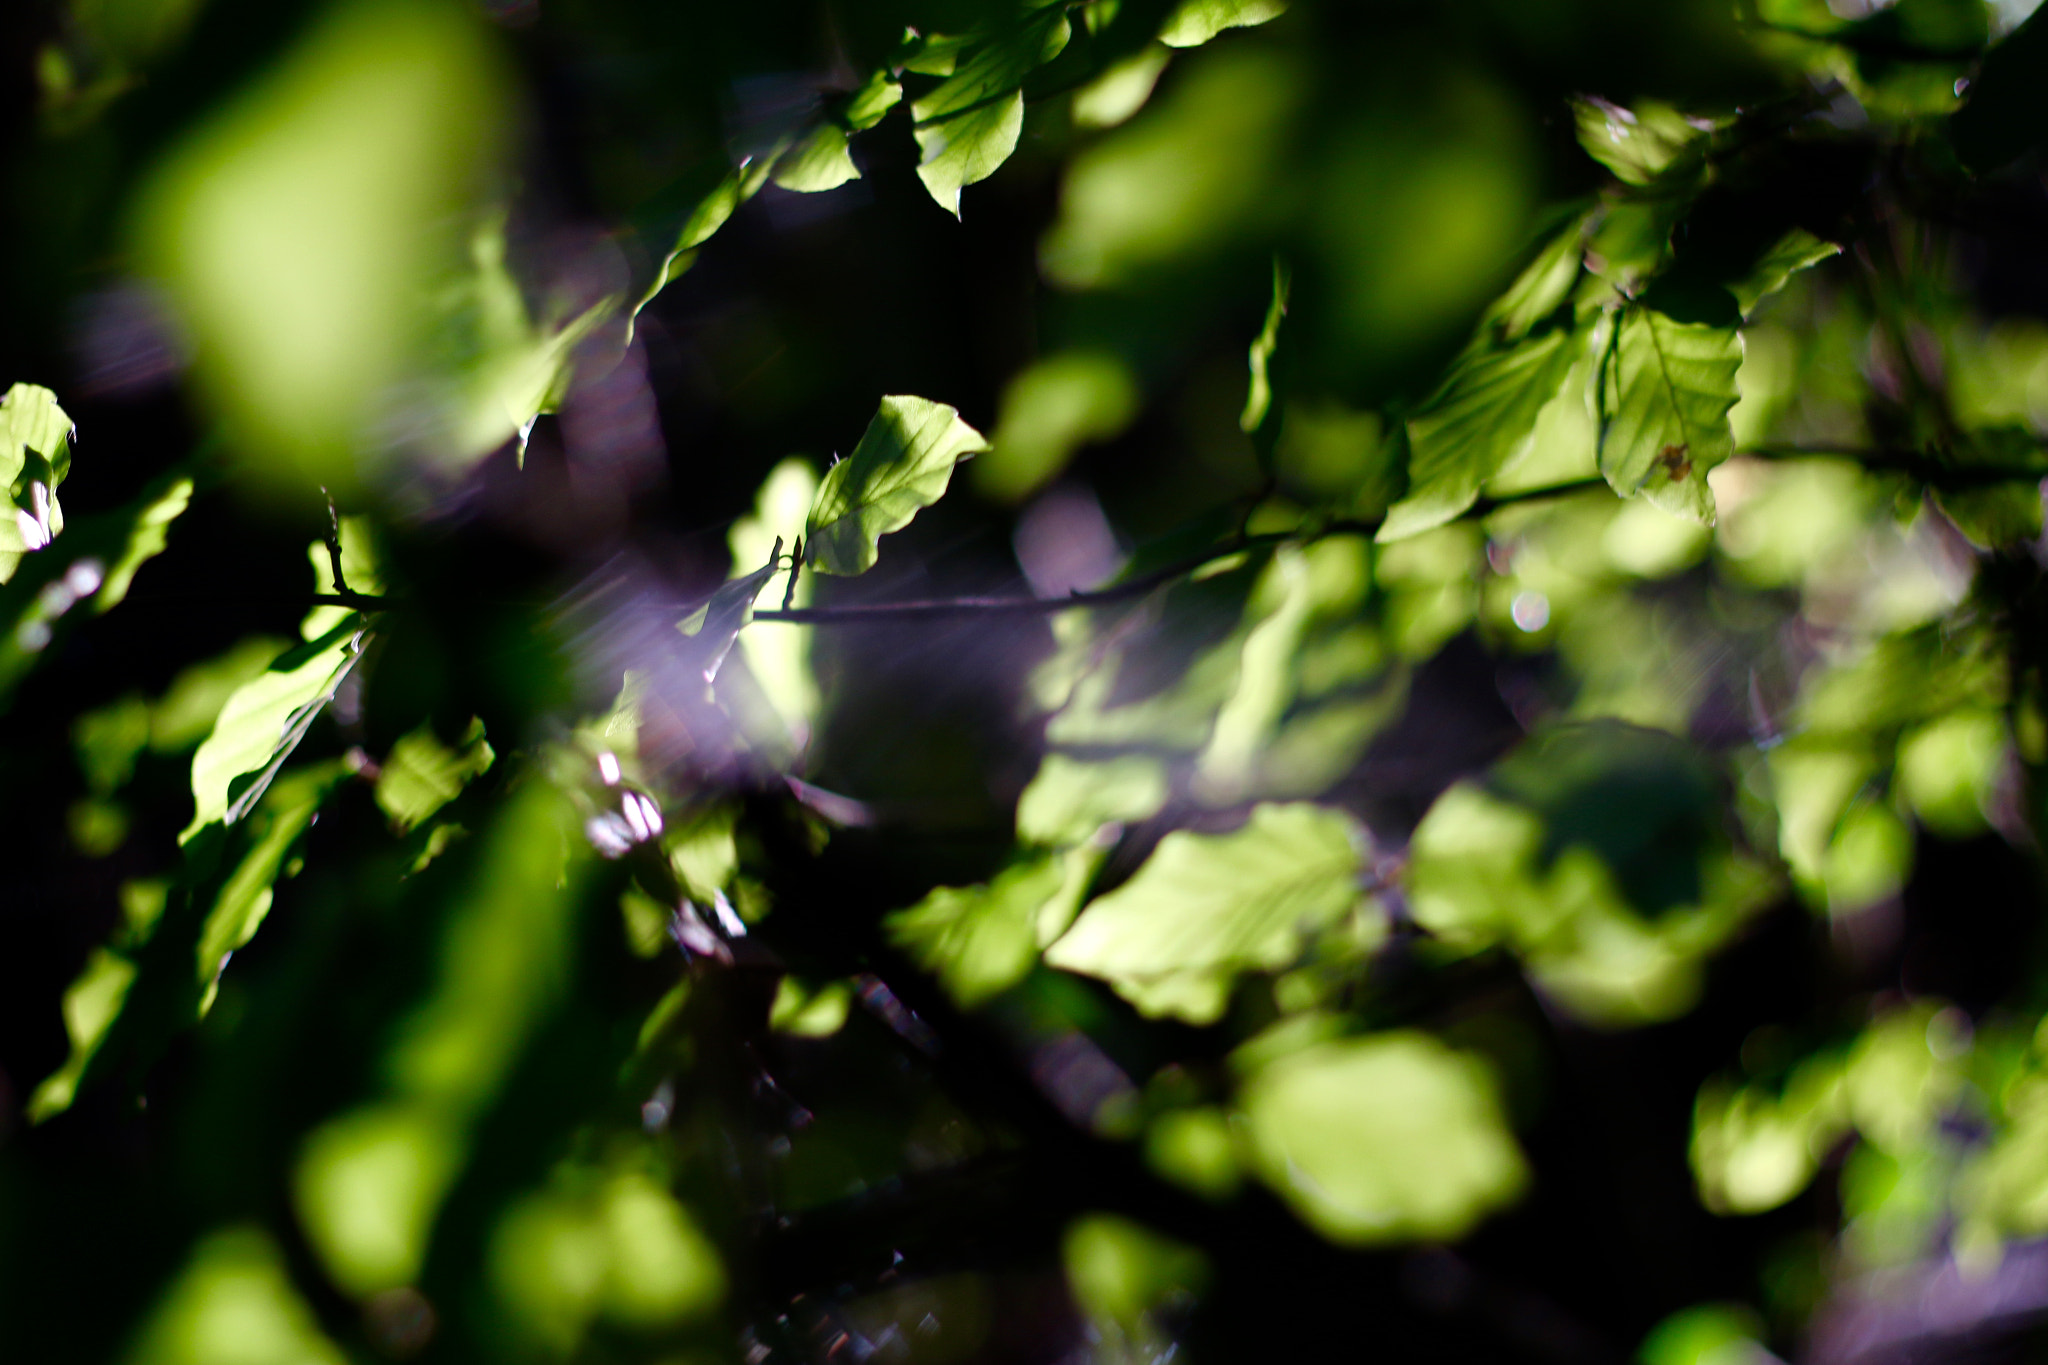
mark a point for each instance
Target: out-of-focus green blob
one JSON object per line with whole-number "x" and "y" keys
{"x": 368, "y": 1184}
{"x": 1206, "y": 907}
{"x": 1194, "y": 1148}
{"x": 1121, "y": 90}
{"x": 1949, "y": 768}
{"x": 1121, "y": 1273}
{"x": 1388, "y": 1138}
{"x": 1596, "y": 855}
{"x": 1071, "y": 798}
{"x": 91, "y": 1003}
{"x": 1419, "y": 209}
{"x": 981, "y": 940}
{"x": 299, "y": 234}
{"x": 1752, "y": 1150}
{"x": 1335, "y": 454}
{"x": 702, "y": 852}
{"x": 233, "y": 1304}
{"x": 1186, "y": 176}
{"x": 420, "y": 774}
{"x": 1710, "y": 1334}
{"x": 1050, "y": 411}
{"x": 367, "y": 1188}
{"x": 779, "y": 654}
{"x": 805, "y": 1013}
{"x": 623, "y": 1250}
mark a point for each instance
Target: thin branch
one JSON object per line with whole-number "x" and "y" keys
{"x": 939, "y": 607}
{"x": 1928, "y": 469}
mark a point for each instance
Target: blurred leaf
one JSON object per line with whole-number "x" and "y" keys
{"x": 1387, "y": 1138}
{"x": 1121, "y": 90}
{"x": 299, "y": 231}
{"x": 1797, "y": 250}
{"x": 38, "y": 603}
{"x": 982, "y": 940}
{"x": 264, "y": 721}
{"x": 1641, "y": 144}
{"x": 1665, "y": 388}
{"x": 805, "y": 1013}
{"x": 1072, "y": 798}
{"x": 1050, "y": 411}
{"x": 903, "y": 462}
{"x": 1205, "y": 907}
{"x": 91, "y": 1004}
{"x": 420, "y": 774}
{"x": 1258, "y": 399}
{"x": 185, "y": 714}
{"x": 1711, "y": 1334}
{"x": 234, "y": 1302}
{"x": 1121, "y": 1274}
{"x": 1605, "y": 869}
{"x": 35, "y": 455}
{"x": 369, "y": 1182}
{"x": 969, "y": 125}
{"x": 1195, "y": 22}
{"x": 238, "y": 910}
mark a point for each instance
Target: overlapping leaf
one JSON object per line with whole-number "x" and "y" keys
{"x": 969, "y": 125}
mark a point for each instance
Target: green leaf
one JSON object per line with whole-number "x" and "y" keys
{"x": 1071, "y": 798}
{"x": 1197, "y": 21}
{"x": 903, "y": 463}
{"x": 1388, "y": 1138}
{"x": 866, "y": 106}
{"x": 710, "y": 214}
{"x": 244, "y": 898}
{"x": 818, "y": 161}
{"x": 1641, "y": 144}
{"x": 35, "y": 455}
{"x": 264, "y": 721}
{"x": 1259, "y": 397}
{"x": 982, "y": 940}
{"x": 1665, "y": 388}
{"x": 968, "y": 126}
{"x": 420, "y": 774}
{"x": 1205, "y": 907}
{"x": 38, "y": 604}
{"x": 1797, "y": 250}
{"x": 1474, "y": 427}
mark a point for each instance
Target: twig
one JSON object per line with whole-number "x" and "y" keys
{"x": 334, "y": 541}
{"x": 929, "y": 608}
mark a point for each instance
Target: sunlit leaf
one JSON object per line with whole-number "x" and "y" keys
{"x": 1071, "y": 798}
{"x": 779, "y": 656}
{"x": 981, "y": 940}
{"x": 1195, "y": 22}
{"x": 903, "y": 463}
{"x": 1387, "y": 1138}
{"x": 1259, "y": 396}
{"x": 968, "y": 126}
{"x": 1205, "y": 907}
{"x": 420, "y": 774}
{"x": 264, "y": 721}
{"x": 238, "y": 910}
{"x": 35, "y": 455}
{"x": 1798, "y": 250}
{"x": 1665, "y": 390}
